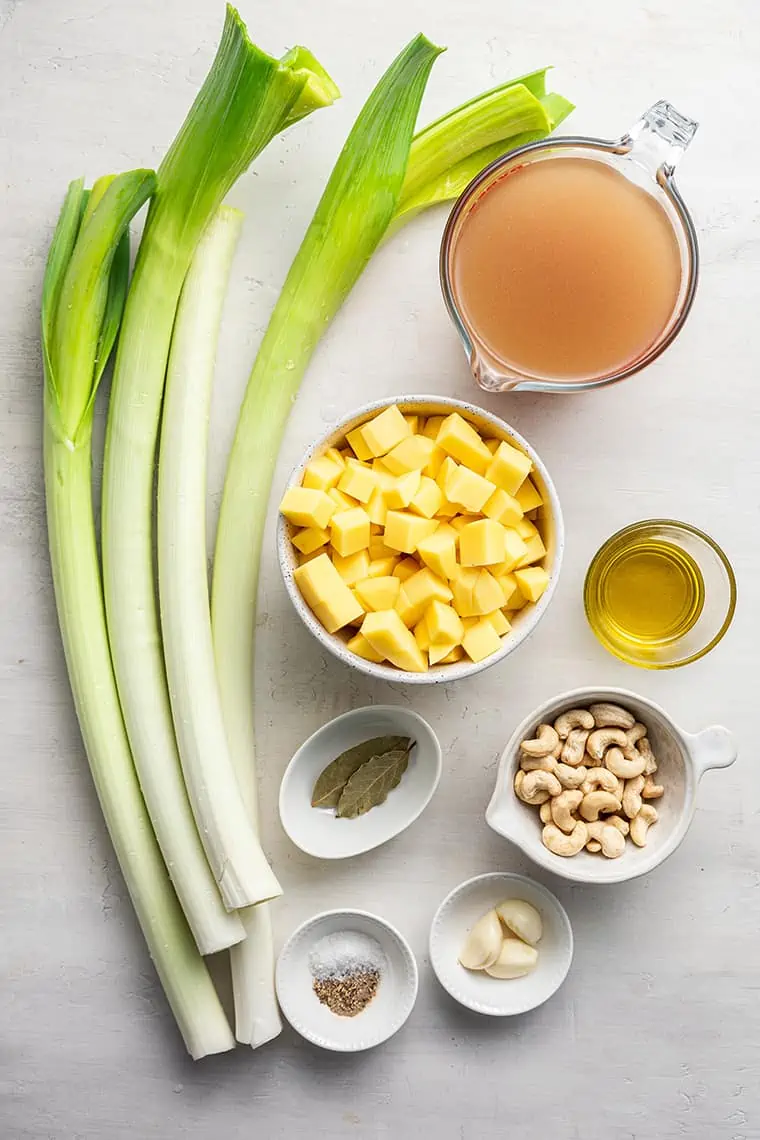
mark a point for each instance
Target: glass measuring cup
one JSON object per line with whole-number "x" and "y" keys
{"x": 646, "y": 156}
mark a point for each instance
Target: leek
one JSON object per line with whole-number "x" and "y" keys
{"x": 381, "y": 178}
{"x": 83, "y": 297}
{"x": 247, "y": 98}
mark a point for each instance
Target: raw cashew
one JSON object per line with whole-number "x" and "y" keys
{"x": 574, "y": 747}
{"x": 603, "y": 738}
{"x": 573, "y": 718}
{"x": 563, "y": 807}
{"x": 538, "y": 763}
{"x": 600, "y": 778}
{"x": 605, "y": 715}
{"x": 560, "y": 844}
{"x": 611, "y": 841}
{"x": 651, "y": 791}
{"x": 596, "y": 802}
{"x": 593, "y": 846}
{"x": 650, "y": 763}
{"x": 637, "y": 733}
{"x": 641, "y": 823}
{"x": 570, "y": 777}
{"x": 545, "y": 811}
{"x": 624, "y": 765}
{"x": 632, "y": 796}
{"x": 546, "y": 740}
{"x": 617, "y": 821}
{"x": 537, "y": 787}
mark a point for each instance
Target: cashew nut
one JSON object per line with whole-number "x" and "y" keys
{"x": 573, "y": 718}
{"x": 546, "y": 740}
{"x": 596, "y": 802}
{"x": 650, "y": 763}
{"x": 632, "y": 796}
{"x": 600, "y": 778}
{"x": 537, "y": 787}
{"x": 606, "y": 715}
{"x": 651, "y": 791}
{"x": 538, "y": 763}
{"x": 641, "y": 823}
{"x": 603, "y": 738}
{"x": 574, "y": 748}
{"x": 637, "y": 733}
{"x": 545, "y": 811}
{"x": 610, "y": 840}
{"x": 570, "y": 777}
{"x": 565, "y": 845}
{"x": 617, "y": 821}
{"x": 563, "y": 807}
{"x": 625, "y": 765}
{"x": 593, "y": 846}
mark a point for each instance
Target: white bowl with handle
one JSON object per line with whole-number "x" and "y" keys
{"x": 683, "y": 758}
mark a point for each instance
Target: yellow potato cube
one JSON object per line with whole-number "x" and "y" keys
{"x": 463, "y": 590}
{"x": 422, "y": 635}
{"x": 432, "y": 426}
{"x": 461, "y": 521}
{"x": 356, "y": 441}
{"x": 405, "y": 568}
{"x": 337, "y": 458}
{"x": 358, "y": 481}
{"x": 378, "y": 593}
{"x": 503, "y": 508}
{"x": 362, "y": 648}
{"x": 377, "y": 508}
{"x": 349, "y": 531}
{"x": 440, "y": 650}
{"x": 508, "y": 468}
{"x": 462, "y": 442}
{"x": 470, "y": 490}
{"x": 358, "y": 620}
{"x": 439, "y": 552}
{"x": 427, "y": 499}
{"x": 383, "y": 432}
{"x": 487, "y": 595}
{"x": 425, "y": 587}
{"x": 310, "y": 539}
{"x": 381, "y": 567}
{"x": 481, "y": 640}
{"x": 444, "y": 624}
{"x": 415, "y": 424}
{"x": 305, "y": 506}
{"x": 322, "y": 473}
{"x": 403, "y": 530}
{"x": 410, "y": 612}
{"x": 404, "y": 488}
{"x": 525, "y": 528}
{"x": 378, "y": 549}
{"x": 528, "y": 497}
{"x": 385, "y": 478}
{"x": 447, "y": 510}
{"x": 532, "y": 581}
{"x": 499, "y": 622}
{"x": 492, "y": 444}
{"x": 410, "y": 455}
{"x": 448, "y": 466}
{"x": 388, "y": 635}
{"x": 304, "y": 558}
{"x": 457, "y": 653}
{"x": 535, "y": 551}
{"x": 326, "y": 593}
{"x": 515, "y": 548}
{"x": 513, "y": 599}
{"x": 354, "y": 568}
{"x": 436, "y": 461}
{"x": 481, "y": 543}
{"x": 342, "y": 502}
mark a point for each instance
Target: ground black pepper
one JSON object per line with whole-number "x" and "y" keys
{"x": 349, "y": 995}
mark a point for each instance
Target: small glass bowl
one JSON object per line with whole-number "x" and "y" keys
{"x": 716, "y": 608}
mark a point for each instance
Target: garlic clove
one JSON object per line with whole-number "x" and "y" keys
{"x": 522, "y": 919}
{"x": 515, "y": 960}
{"x": 483, "y": 943}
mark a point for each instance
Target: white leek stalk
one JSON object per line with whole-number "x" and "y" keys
{"x": 83, "y": 296}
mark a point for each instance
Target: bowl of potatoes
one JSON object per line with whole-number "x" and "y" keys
{"x": 420, "y": 540}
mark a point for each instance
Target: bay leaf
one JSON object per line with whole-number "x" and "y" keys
{"x": 372, "y": 782}
{"x": 331, "y": 782}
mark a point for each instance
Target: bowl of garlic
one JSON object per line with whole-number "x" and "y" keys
{"x": 501, "y": 944}
{"x": 421, "y": 539}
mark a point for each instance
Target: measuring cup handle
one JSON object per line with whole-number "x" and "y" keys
{"x": 714, "y": 747}
{"x": 660, "y": 137}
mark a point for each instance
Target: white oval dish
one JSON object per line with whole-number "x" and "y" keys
{"x": 316, "y": 830}
{"x": 683, "y": 759}
{"x": 457, "y": 915}
{"x": 525, "y": 621}
{"x": 384, "y": 1015}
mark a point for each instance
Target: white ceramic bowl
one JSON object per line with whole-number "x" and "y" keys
{"x": 550, "y": 517}
{"x": 384, "y": 1015}
{"x": 317, "y": 831}
{"x": 459, "y": 912}
{"x": 683, "y": 759}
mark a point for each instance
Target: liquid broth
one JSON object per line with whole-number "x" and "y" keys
{"x": 565, "y": 269}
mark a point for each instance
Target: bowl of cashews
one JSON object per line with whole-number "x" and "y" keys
{"x": 600, "y": 785}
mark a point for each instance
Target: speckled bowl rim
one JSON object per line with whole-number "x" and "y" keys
{"x": 438, "y": 674}
{"x": 305, "y": 932}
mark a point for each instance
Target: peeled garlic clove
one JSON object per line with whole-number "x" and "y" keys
{"x": 515, "y": 960}
{"x": 522, "y": 919}
{"x": 483, "y": 943}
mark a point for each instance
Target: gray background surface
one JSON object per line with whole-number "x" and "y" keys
{"x": 656, "y": 1033}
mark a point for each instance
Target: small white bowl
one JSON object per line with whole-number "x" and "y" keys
{"x": 457, "y": 915}
{"x": 317, "y": 831}
{"x": 384, "y": 1015}
{"x": 683, "y": 759}
{"x": 550, "y": 516}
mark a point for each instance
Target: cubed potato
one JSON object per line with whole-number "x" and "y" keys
{"x": 377, "y": 508}
{"x": 443, "y": 624}
{"x": 362, "y": 648}
{"x": 492, "y": 444}
{"x": 307, "y": 507}
{"x": 448, "y": 510}
{"x": 403, "y": 530}
{"x": 468, "y": 488}
{"x": 385, "y": 478}
{"x": 513, "y": 598}
{"x": 509, "y": 468}
{"x": 503, "y": 508}
{"x": 337, "y": 458}
{"x": 310, "y": 539}
{"x": 415, "y": 424}
{"x": 514, "y": 548}
{"x": 438, "y": 551}
{"x": 405, "y": 568}
{"x": 525, "y": 528}
{"x": 532, "y": 581}
{"x": 528, "y": 496}
{"x": 434, "y": 464}
{"x": 427, "y": 499}
{"x": 403, "y": 490}
{"x": 534, "y": 553}
{"x": 411, "y": 613}
{"x": 358, "y": 481}
{"x": 383, "y": 432}
{"x": 461, "y": 521}
{"x": 377, "y": 547}
{"x": 448, "y": 466}
{"x": 487, "y": 594}
{"x": 326, "y": 593}
{"x": 462, "y": 442}
{"x": 322, "y": 473}
{"x": 480, "y": 640}
{"x": 499, "y": 622}
{"x": 378, "y": 593}
{"x": 425, "y": 587}
{"x": 422, "y": 635}
{"x": 354, "y": 568}
{"x": 440, "y": 650}
{"x": 463, "y": 591}
{"x": 432, "y": 426}
{"x": 481, "y": 543}
{"x": 388, "y": 635}
{"x": 457, "y": 653}
{"x": 342, "y": 502}
{"x": 410, "y": 455}
{"x": 381, "y": 567}
{"x": 358, "y": 445}
{"x": 302, "y": 559}
{"x": 349, "y": 531}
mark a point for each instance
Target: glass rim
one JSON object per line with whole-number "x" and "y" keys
{"x": 526, "y": 381}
